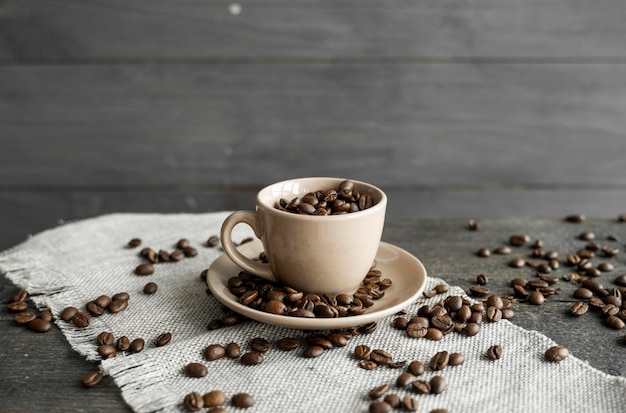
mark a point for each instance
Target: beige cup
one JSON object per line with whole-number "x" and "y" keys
{"x": 318, "y": 254}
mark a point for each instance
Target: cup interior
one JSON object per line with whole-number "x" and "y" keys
{"x": 270, "y": 195}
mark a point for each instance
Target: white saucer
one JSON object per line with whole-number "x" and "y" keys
{"x": 406, "y": 272}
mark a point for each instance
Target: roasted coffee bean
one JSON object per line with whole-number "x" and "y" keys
{"x": 443, "y": 323}
{"x": 453, "y": 303}
{"x": 288, "y": 343}
{"x": 105, "y": 338}
{"x": 556, "y": 353}
{"x": 123, "y": 344}
{"x": 260, "y": 344}
{"x": 576, "y": 218}
{"x": 536, "y": 298}
{"x": 456, "y": 359}
{"x": 17, "y": 306}
{"x": 438, "y": 385}
{"x": 368, "y": 364}
{"x": 586, "y": 236}
{"x": 92, "y": 379}
{"x": 362, "y": 352}
{"x": 481, "y": 279}
{"x": 134, "y": 243}
{"x": 472, "y": 225}
{"x": 483, "y": 252}
{"x": 137, "y": 345}
{"x": 421, "y": 386}
{"x": 441, "y": 288}
{"x": 40, "y": 325}
{"x": 107, "y": 351}
{"x": 102, "y": 301}
{"x": 117, "y": 306}
{"x": 144, "y": 269}
{"x": 313, "y": 351}
{"x": 123, "y": 296}
{"x": 81, "y": 319}
{"x": 21, "y": 295}
{"x": 23, "y": 318}
{"x": 610, "y": 251}
{"x": 609, "y": 310}
{"x": 94, "y": 309}
{"x": 379, "y": 407}
{"x": 276, "y": 307}
{"x": 416, "y": 368}
{"x": 193, "y": 402}
{"x": 150, "y": 288}
{"x": 400, "y": 323}
{"x": 213, "y": 241}
{"x": 242, "y": 400}
{"x": 471, "y": 329}
{"x": 494, "y": 353}
{"x": 68, "y": 313}
{"x": 163, "y": 339}
{"x": 196, "y": 370}
{"x": 252, "y": 358}
{"x": 404, "y": 379}
{"x": 439, "y": 361}
{"x": 393, "y": 400}
{"x": 605, "y": 267}
{"x": 378, "y": 391}
{"x": 620, "y": 280}
{"x": 368, "y": 328}
{"x": 494, "y": 314}
{"x": 518, "y": 240}
{"x": 214, "y": 398}
{"x": 614, "y": 322}
{"x": 440, "y": 411}
{"x": 233, "y": 350}
{"x": 517, "y": 262}
{"x": 381, "y": 356}
{"x": 410, "y": 404}
{"x": 434, "y": 334}
{"x": 338, "y": 339}
{"x": 429, "y": 293}
{"x": 579, "y": 308}
{"x": 478, "y": 291}
{"x": 214, "y": 352}
{"x": 502, "y": 250}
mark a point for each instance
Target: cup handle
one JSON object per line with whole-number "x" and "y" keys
{"x": 253, "y": 267}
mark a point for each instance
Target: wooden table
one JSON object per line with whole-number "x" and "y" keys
{"x": 487, "y": 109}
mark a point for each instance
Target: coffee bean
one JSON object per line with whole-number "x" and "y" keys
{"x": 502, "y": 250}
{"x": 233, "y": 350}
{"x": 434, "y": 334}
{"x": 456, "y": 359}
{"x": 409, "y": 403}
{"x": 439, "y": 361}
{"x": 481, "y": 279}
{"x": 68, "y": 313}
{"x": 196, "y": 370}
{"x": 214, "y": 398}
{"x": 368, "y": 364}
{"x": 378, "y": 391}
{"x": 556, "y": 353}
{"x": 379, "y": 407}
{"x": 190, "y": 251}
{"x": 472, "y": 225}
{"x": 471, "y": 329}
{"x": 416, "y": 368}
{"x": 107, "y": 351}
{"x": 517, "y": 262}
{"x": 536, "y": 298}
{"x": 81, "y": 319}
{"x": 17, "y": 306}
{"x": 494, "y": 353}
{"x": 92, "y": 379}
{"x": 381, "y": 356}
{"x": 213, "y": 241}
{"x": 117, "y": 306}
{"x": 579, "y": 308}
{"x": 40, "y": 325}
{"x": 123, "y": 343}
{"x": 338, "y": 340}
{"x": 576, "y": 218}
{"x": 620, "y": 280}
{"x": 23, "y": 318}
{"x": 252, "y": 358}
{"x": 137, "y": 345}
{"x": 362, "y": 352}
{"x": 105, "y": 338}
{"x": 194, "y": 402}
{"x": 483, "y": 252}
{"x": 20, "y": 295}
{"x": 150, "y": 288}
{"x": 614, "y": 322}
{"x": 177, "y": 255}
{"x": 260, "y": 344}
{"x": 494, "y": 314}
{"x": 404, "y": 379}
{"x": 123, "y": 296}
{"x": 94, "y": 309}
{"x": 163, "y": 339}
{"x": 214, "y": 352}
{"x": 518, "y": 240}
{"x": 144, "y": 269}
{"x": 242, "y": 400}
{"x": 134, "y": 243}
{"x": 421, "y": 386}
{"x": 479, "y": 291}
{"x": 392, "y": 400}
{"x": 438, "y": 385}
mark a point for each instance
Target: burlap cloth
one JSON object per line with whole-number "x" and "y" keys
{"x": 77, "y": 262}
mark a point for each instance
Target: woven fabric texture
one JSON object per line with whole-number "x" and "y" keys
{"x": 75, "y": 263}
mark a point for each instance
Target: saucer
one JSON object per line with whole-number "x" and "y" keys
{"x": 406, "y": 272}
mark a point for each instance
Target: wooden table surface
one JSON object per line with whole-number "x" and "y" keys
{"x": 487, "y": 109}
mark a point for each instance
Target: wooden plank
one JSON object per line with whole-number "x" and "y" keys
{"x": 26, "y": 213}
{"x": 46, "y": 363}
{"x": 187, "y": 29}
{"x": 403, "y": 125}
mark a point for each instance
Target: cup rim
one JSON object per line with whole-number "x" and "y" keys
{"x": 271, "y": 209}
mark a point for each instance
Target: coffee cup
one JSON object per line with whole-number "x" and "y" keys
{"x": 312, "y": 253}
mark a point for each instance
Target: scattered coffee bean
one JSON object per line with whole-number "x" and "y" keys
{"x": 471, "y": 329}
{"x": 502, "y": 250}
{"x": 579, "y": 308}
{"x": 260, "y": 344}
{"x": 242, "y": 400}
{"x": 410, "y": 404}
{"x": 214, "y": 352}
{"x": 81, "y": 319}
{"x": 586, "y": 236}
{"x": 214, "y": 398}
{"x": 393, "y": 400}
{"x": 456, "y": 359}
{"x": 439, "y": 361}
{"x": 105, "y": 338}
{"x": 483, "y": 252}
{"x": 134, "y": 243}
{"x": 416, "y": 368}
{"x": 494, "y": 352}
{"x": 252, "y": 358}
{"x": 378, "y": 391}
{"x": 536, "y": 298}
{"x": 620, "y": 280}
{"x": 123, "y": 343}
{"x": 117, "y": 306}
{"x": 556, "y": 353}
{"x": 94, "y": 309}
{"x": 481, "y": 279}
{"x": 163, "y": 339}
{"x": 472, "y": 225}
{"x": 150, "y": 288}
{"x": 194, "y": 402}
{"x": 576, "y": 218}
{"x": 368, "y": 364}
{"x": 137, "y": 345}
{"x": 479, "y": 291}
{"x": 40, "y": 325}
{"x": 379, "y": 407}
{"x": 92, "y": 379}
{"x": 233, "y": 350}
{"x": 421, "y": 386}
{"x": 517, "y": 262}
{"x": 404, "y": 379}
{"x": 107, "y": 351}
{"x": 23, "y": 318}
{"x": 144, "y": 269}
{"x": 213, "y": 241}
{"x": 518, "y": 240}
{"x": 196, "y": 370}
{"x": 68, "y": 313}
{"x": 438, "y": 385}
{"x": 123, "y": 296}
{"x": 614, "y": 322}
{"x": 17, "y": 306}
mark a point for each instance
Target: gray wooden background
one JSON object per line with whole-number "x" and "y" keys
{"x": 480, "y": 109}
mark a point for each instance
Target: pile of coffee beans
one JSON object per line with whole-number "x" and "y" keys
{"x": 41, "y": 323}
{"x": 182, "y": 250}
{"x": 336, "y": 201}
{"x": 95, "y": 308}
{"x": 279, "y": 299}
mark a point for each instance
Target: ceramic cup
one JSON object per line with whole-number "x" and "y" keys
{"x": 317, "y": 254}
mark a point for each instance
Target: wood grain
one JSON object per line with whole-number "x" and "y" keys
{"x": 36, "y": 30}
